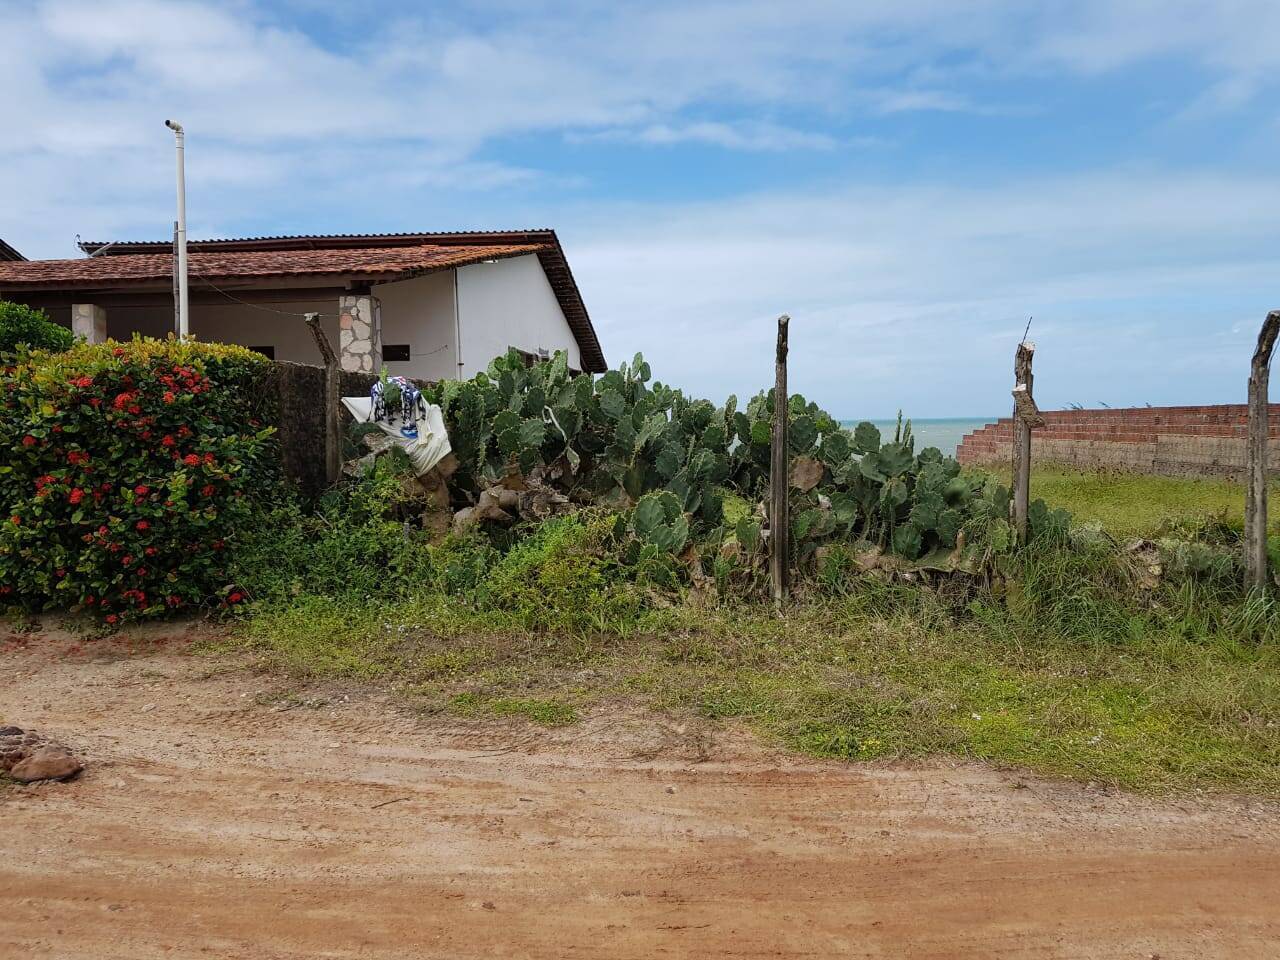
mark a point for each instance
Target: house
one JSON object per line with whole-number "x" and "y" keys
{"x": 431, "y": 306}
{"x": 8, "y": 253}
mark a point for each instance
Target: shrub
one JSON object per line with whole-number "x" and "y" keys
{"x": 130, "y": 471}
{"x": 19, "y": 324}
{"x": 351, "y": 545}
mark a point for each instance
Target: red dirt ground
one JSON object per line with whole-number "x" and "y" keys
{"x": 226, "y": 813}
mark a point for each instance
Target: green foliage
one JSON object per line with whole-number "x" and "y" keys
{"x": 351, "y": 543}
{"x": 609, "y": 440}
{"x": 130, "y": 473}
{"x": 620, "y": 441}
{"x": 565, "y": 573}
{"x": 659, "y": 520}
{"x": 20, "y": 325}
{"x": 545, "y": 712}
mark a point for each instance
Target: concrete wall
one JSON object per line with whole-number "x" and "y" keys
{"x": 419, "y": 312}
{"x": 235, "y": 323}
{"x": 1172, "y": 441}
{"x": 509, "y": 303}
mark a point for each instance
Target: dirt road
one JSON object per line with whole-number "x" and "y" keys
{"x": 225, "y": 814}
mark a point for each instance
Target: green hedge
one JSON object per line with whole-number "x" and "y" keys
{"x": 22, "y": 326}
{"x": 130, "y": 471}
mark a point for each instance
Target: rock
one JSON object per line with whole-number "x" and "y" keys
{"x": 47, "y": 763}
{"x": 27, "y": 756}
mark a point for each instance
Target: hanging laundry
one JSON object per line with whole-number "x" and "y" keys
{"x": 411, "y": 405}
{"x": 415, "y": 425}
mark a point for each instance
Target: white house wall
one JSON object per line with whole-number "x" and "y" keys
{"x": 419, "y": 312}
{"x": 509, "y": 303}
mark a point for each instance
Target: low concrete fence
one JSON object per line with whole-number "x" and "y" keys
{"x": 1206, "y": 441}
{"x": 299, "y": 393}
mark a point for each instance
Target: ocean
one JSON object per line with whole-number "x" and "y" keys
{"x": 945, "y": 433}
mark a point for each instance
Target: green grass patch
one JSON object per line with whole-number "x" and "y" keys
{"x": 1063, "y": 659}
{"x": 1131, "y": 504}
{"x": 543, "y": 711}
{"x": 1056, "y": 679}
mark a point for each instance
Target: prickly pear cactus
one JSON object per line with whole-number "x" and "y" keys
{"x": 659, "y": 520}
{"x": 623, "y": 441}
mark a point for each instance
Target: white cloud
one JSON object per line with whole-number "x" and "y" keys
{"x": 915, "y": 295}
{"x": 903, "y": 101}
{"x": 742, "y": 136}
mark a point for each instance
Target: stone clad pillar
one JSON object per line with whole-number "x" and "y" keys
{"x": 359, "y": 338}
{"x": 89, "y": 320}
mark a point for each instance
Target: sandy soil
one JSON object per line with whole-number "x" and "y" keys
{"x": 226, "y": 813}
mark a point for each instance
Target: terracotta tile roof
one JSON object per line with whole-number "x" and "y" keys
{"x": 377, "y": 263}
{"x": 551, "y": 255}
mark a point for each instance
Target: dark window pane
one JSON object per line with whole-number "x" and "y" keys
{"x": 268, "y": 352}
{"x": 395, "y": 351}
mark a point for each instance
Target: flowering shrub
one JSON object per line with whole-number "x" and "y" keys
{"x": 127, "y": 472}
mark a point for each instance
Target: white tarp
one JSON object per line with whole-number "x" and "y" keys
{"x": 426, "y": 441}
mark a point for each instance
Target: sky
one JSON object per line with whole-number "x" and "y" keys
{"x": 909, "y": 181}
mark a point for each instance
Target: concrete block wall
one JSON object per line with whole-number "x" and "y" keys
{"x": 1173, "y": 441}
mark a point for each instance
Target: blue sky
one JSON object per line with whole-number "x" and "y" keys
{"x": 910, "y": 181}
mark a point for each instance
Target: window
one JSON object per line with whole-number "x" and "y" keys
{"x": 395, "y": 352}
{"x": 268, "y": 352}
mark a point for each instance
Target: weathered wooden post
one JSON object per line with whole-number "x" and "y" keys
{"x": 779, "y": 504}
{"x": 332, "y": 401}
{"x": 1025, "y": 416}
{"x": 1255, "y": 498}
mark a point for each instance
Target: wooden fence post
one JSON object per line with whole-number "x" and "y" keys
{"x": 1255, "y": 500}
{"x": 332, "y": 402}
{"x": 1025, "y": 416}
{"x": 779, "y": 504}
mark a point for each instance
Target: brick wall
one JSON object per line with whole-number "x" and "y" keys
{"x": 1175, "y": 441}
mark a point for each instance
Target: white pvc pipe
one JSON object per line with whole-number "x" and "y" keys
{"x": 184, "y": 314}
